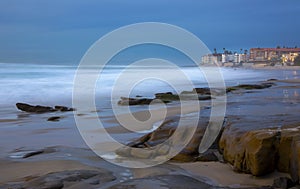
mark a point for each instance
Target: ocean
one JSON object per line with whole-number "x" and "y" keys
{"x": 48, "y": 84}
{"x": 52, "y": 85}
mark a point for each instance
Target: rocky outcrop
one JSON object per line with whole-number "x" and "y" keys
{"x": 63, "y": 108}
{"x": 188, "y": 154}
{"x": 250, "y": 152}
{"x": 161, "y": 98}
{"x": 249, "y": 87}
{"x": 41, "y": 109}
{"x": 285, "y": 148}
{"x": 196, "y": 94}
{"x": 262, "y": 151}
{"x": 138, "y": 101}
{"x": 34, "y": 109}
{"x": 295, "y": 159}
{"x": 169, "y": 96}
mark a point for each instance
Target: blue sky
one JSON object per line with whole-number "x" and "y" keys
{"x": 60, "y": 31}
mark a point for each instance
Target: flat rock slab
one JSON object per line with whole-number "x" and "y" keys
{"x": 67, "y": 179}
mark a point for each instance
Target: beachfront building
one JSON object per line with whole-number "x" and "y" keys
{"x": 289, "y": 58}
{"x": 273, "y": 55}
{"x": 225, "y": 58}
{"x": 212, "y": 58}
{"x": 234, "y": 58}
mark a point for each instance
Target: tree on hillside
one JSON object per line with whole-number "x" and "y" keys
{"x": 297, "y": 61}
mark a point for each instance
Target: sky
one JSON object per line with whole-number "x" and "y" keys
{"x": 61, "y": 31}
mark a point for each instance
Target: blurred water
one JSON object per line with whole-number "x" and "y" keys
{"x": 53, "y": 84}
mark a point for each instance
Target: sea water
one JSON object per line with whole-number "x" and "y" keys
{"x": 52, "y": 85}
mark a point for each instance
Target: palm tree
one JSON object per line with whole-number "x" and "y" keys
{"x": 215, "y": 51}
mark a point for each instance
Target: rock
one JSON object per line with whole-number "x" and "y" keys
{"x": 25, "y": 153}
{"x": 250, "y": 151}
{"x": 249, "y": 87}
{"x": 295, "y": 160}
{"x": 202, "y": 91}
{"x": 137, "y": 101}
{"x": 283, "y": 183}
{"x": 168, "y": 96}
{"x": 56, "y": 180}
{"x": 41, "y": 109}
{"x": 194, "y": 97}
{"x": 34, "y": 109}
{"x": 285, "y": 149}
{"x": 63, "y": 108}
{"x": 188, "y": 154}
{"x": 209, "y": 155}
{"x": 54, "y": 118}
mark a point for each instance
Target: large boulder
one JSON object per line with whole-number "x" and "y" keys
{"x": 295, "y": 159}
{"x": 285, "y": 149}
{"x": 250, "y": 151}
{"x": 262, "y": 151}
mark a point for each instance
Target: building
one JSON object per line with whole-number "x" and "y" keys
{"x": 211, "y": 58}
{"x": 273, "y": 55}
{"x": 234, "y": 58}
{"x": 289, "y": 58}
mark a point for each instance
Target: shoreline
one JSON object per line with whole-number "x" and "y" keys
{"x": 213, "y": 173}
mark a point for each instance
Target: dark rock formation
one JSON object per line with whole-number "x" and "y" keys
{"x": 63, "y": 108}
{"x": 196, "y": 94}
{"x": 54, "y": 118}
{"x": 138, "y": 101}
{"x": 249, "y": 87}
{"x": 41, "y": 109}
{"x": 34, "y": 109}
{"x": 168, "y": 96}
